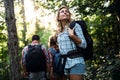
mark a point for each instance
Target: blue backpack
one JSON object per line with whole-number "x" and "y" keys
{"x": 56, "y": 57}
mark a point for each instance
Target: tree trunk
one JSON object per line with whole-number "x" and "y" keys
{"x": 24, "y": 23}
{"x": 12, "y": 40}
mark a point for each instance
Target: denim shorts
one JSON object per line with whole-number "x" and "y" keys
{"x": 76, "y": 69}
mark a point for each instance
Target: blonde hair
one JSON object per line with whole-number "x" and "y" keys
{"x": 57, "y": 18}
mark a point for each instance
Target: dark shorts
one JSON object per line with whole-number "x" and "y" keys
{"x": 37, "y": 76}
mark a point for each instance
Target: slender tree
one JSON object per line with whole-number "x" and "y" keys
{"x": 12, "y": 40}
{"x": 24, "y": 22}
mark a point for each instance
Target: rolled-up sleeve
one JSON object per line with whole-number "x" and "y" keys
{"x": 79, "y": 33}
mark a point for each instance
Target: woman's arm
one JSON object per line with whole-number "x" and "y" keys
{"x": 76, "y": 34}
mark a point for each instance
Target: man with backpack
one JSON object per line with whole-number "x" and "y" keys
{"x": 34, "y": 60}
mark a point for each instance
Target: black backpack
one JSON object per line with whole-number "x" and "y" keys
{"x": 35, "y": 59}
{"x": 88, "y": 51}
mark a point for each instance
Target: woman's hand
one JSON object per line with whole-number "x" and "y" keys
{"x": 73, "y": 36}
{"x": 71, "y": 32}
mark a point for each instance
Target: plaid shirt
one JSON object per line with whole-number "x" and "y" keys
{"x": 66, "y": 45}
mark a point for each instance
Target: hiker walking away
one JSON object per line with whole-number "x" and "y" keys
{"x": 67, "y": 40}
{"x": 34, "y": 60}
{"x": 55, "y": 56}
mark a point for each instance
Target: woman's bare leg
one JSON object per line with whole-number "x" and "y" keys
{"x": 76, "y": 77}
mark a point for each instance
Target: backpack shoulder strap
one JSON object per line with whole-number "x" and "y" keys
{"x": 82, "y": 24}
{"x": 40, "y": 45}
{"x": 28, "y": 47}
{"x": 72, "y": 24}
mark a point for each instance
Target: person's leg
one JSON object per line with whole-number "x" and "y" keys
{"x": 76, "y": 77}
{"x": 64, "y": 77}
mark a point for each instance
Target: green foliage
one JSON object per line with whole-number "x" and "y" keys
{"x": 102, "y": 18}
{"x": 4, "y": 59}
{"x": 44, "y": 35}
{"x": 105, "y": 32}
